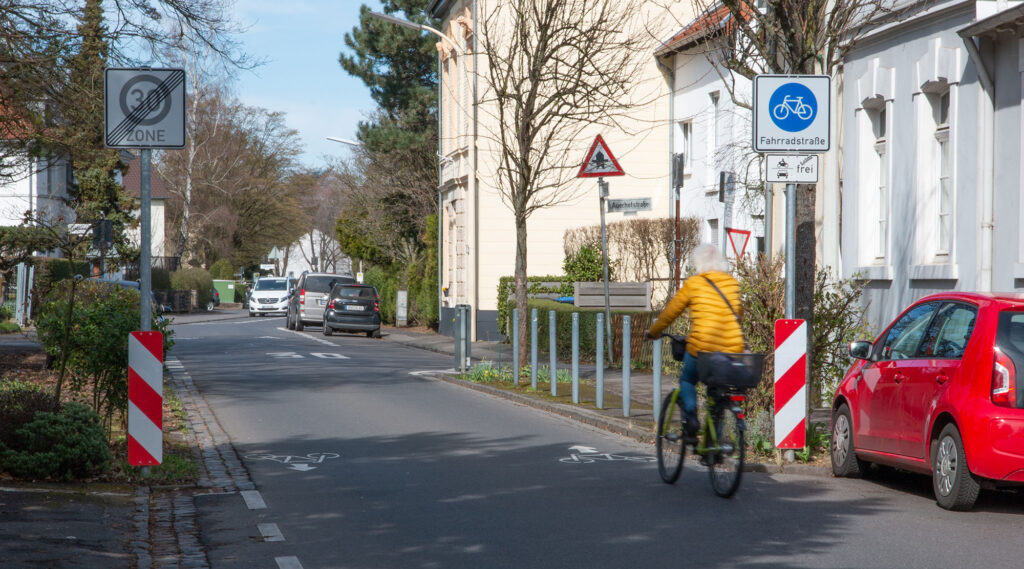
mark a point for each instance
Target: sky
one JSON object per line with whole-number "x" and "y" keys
{"x": 301, "y": 41}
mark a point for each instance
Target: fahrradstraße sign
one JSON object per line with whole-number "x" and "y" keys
{"x": 144, "y": 108}
{"x": 792, "y": 113}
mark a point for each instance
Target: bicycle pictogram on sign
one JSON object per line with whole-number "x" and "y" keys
{"x": 793, "y": 107}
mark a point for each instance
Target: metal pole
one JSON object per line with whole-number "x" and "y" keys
{"x": 145, "y": 260}
{"x": 533, "y": 349}
{"x": 790, "y": 250}
{"x": 552, "y": 351}
{"x": 575, "y": 357}
{"x": 656, "y": 346}
{"x": 467, "y": 338}
{"x": 515, "y": 347}
{"x": 625, "y": 366}
{"x": 599, "y": 361}
{"x": 603, "y": 186}
{"x": 460, "y": 330}
{"x": 768, "y": 214}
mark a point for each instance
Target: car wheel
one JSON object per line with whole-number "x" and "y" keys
{"x": 844, "y": 457}
{"x": 327, "y": 329}
{"x": 298, "y": 324}
{"x": 955, "y": 487}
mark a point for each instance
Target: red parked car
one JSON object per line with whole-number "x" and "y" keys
{"x": 937, "y": 393}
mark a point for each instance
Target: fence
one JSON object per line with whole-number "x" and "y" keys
{"x": 178, "y": 300}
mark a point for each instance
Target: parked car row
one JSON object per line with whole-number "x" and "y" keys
{"x": 329, "y": 300}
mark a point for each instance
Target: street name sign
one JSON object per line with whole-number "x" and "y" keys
{"x": 600, "y": 162}
{"x": 792, "y": 113}
{"x": 791, "y": 168}
{"x": 144, "y": 108}
{"x": 632, "y": 205}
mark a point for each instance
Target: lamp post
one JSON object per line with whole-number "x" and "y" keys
{"x": 344, "y": 141}
{"x": 417, "y": 27}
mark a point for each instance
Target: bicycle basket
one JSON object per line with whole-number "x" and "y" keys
{"x": 733, "y": 371}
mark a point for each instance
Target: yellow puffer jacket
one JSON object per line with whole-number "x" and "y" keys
{"x": 713, "y": 327}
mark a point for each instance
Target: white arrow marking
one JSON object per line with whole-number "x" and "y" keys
{"x": 584, "y": 450}
{"x": 284, "y": 355}
{"x": 301, "y": 467}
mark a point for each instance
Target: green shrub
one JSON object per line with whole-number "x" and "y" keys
{"x": 535, "y": 285}
{"x": 95, "y": 340}
{"x": 51, "y": 270}
{"x": 222, "y": 270}
{"x": 194, "y": 279}
{"x": 585, "y": 265}
{"x": 5, "y": 313}
{"x": 160, "y": 279}
{"x": 65, "y": 445}
{"x": 19, "y": 403}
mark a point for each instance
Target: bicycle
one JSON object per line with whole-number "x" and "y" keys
{"x": 720, "y": 439}
{"x": 795, "y": 105}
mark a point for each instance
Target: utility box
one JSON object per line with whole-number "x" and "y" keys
{"x": 226, "y": 289}
{"x": 402, "y": 310}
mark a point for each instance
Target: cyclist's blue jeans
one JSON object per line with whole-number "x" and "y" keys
{"x": 688, "y": 388}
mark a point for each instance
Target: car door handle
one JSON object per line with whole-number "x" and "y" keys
{"x": 899, "y": 377}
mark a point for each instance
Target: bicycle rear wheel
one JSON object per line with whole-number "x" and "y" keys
{"x": 726, "y": 459}
{"x": 670, "y": 443}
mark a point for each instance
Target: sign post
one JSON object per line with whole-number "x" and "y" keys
{"x": 599, "y": 163}
{"x": 792, "y": 114}
{"x": 145, "y": 109}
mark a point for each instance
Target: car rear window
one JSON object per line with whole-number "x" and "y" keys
{"x": 322, "y": 283}
{"x": 1011, "y": 330}
{"x": 355, "y": 292}
{"x": 269, "y": 284}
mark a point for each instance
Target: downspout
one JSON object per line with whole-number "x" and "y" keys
{"x": 671, "y": 162}
{"x": 440, "y": 205}
{"x": 476, "y": 185}
{"x": 986, "y": 165}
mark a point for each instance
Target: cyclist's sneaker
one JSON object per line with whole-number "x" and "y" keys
{"x": 690, "y": 434}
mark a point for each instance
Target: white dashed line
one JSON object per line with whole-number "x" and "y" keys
{"x": 308, "y": 336}
{"x": 270, "y": 532}
{"x": 288, "y": 563}
{"x": 253, "y": 500}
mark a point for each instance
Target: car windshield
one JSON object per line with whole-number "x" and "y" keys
{"x": 320, "y": 283}
{"x": 354, "y": 292}
{"x": 271, "y": 284}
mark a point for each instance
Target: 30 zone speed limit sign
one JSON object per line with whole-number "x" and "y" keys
{"x": 144, "y": 108}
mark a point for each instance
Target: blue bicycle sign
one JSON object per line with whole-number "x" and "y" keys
{"x": 793, "y": 107}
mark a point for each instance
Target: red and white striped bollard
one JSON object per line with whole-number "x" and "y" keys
{"x": 145, "y": 398}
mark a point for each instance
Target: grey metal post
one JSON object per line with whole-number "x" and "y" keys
{"x": 603, "y": 191}
{"x": 458, "y": 331}
{"x": 553, "y": 351}
{"x": 599, "y": 361}
{"x": 625, "y": 366}
{"x": 656, "y": 347}
{"x": 515, "y": 347}
{"x": 467, "y": 336}
{"x": 575, "y": 357}
{"x": 145, "y": 259}
{"x": 768, "y": 214}
{"x": 533, "y": 349}
{"x": 20, "y": 295}
{"x": 790, "y": 250}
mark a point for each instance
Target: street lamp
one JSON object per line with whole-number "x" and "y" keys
{"x": 417, "y": 27}
{"x": 344, "y": 141}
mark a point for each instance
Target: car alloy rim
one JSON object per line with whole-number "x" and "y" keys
{"x": 840, "y": 439}
{"x": 945, "y": 473}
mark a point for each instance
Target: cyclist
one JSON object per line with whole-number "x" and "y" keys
{"x": 713, "y": 327}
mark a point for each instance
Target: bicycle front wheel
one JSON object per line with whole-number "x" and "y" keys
{"x": 670, "y": 443}
{"x": 726, "y": 457}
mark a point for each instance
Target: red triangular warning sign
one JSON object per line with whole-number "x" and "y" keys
{"x": 732, "y": 240}
{"x": 600, "y": 162}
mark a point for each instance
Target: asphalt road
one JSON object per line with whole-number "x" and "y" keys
{"x": 363, "y": 461}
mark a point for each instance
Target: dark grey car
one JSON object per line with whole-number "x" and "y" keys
{"x": 308, "y": 299}
{"x": 352, "y": 308}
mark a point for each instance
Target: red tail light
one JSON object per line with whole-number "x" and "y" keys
{"x": 1004, "y": 380}
{"x": 330, "y": 305}
{"x": 302, "y": 296}
{"x": 738, "y": 400}
{"x": 376, "y": 306}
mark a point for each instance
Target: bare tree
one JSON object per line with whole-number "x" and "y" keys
{"x": 555, "y": 68}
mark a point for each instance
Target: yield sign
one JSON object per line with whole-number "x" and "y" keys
{"x": 733, "y": 233}
{"x": 600, "y": 162}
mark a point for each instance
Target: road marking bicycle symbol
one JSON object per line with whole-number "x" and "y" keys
{"x": 795, "y": 105}
{"x": 301, "y": 463}
{"x": 587, "y": 455}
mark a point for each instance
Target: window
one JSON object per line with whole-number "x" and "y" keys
{"x": 948, "y": 336}
{"x": 879, "y": 121}
{"x": 686, "y": 131}
{"x": 713, "y": 229}
{"x": 905, "y": 335}
{"x": 944, "y": 187}
{"x": 716, "y": 122}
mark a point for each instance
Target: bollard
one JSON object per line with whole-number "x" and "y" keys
{"x": 575, "y": 357}
{"x": 457, "y": 332}
{"x": 553, "y": 350}
{"x": 656, "y": 347}
{"x": 599, "y": 360}
{"x": 515, "y": 347}
{"x": 464, "y": 334}
{"x": 626, "y": 365}
{"x": 533, "y": 349}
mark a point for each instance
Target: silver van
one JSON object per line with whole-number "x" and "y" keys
{"x": 308, "y": 299}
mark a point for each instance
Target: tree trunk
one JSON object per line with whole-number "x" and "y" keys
{"x": 521, "y": 288}
{"x": 805, "y": 267}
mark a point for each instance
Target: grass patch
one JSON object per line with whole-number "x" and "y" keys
{"x": 9, "y": 328}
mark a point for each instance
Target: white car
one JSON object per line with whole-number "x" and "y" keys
{"x": 269, "y": 296}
